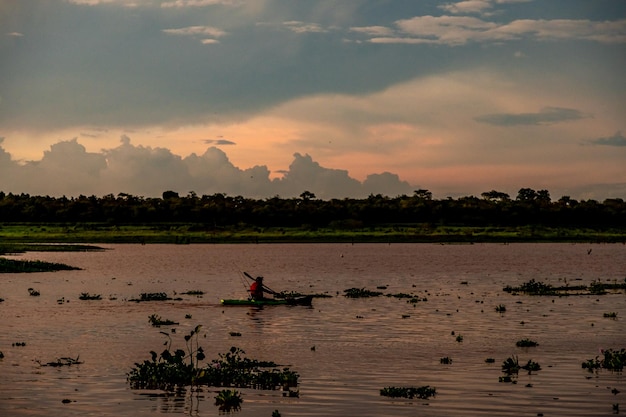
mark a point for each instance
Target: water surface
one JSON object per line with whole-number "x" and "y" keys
{"x": 360, "y": 345}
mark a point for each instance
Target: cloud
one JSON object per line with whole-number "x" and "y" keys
{"x": 68, "y": 169}
{"x": 460, "y": 30}
{"x": 302, "y": 27}
{"x": 199, "y": 3}
{"x": 378, "y": 31}
{"x": 545, "y": 116}
{"x": 195, "y": 31}
{"x": 218, "y": 142}
{"x": 198, "y": 32}
{"x": 617, "y": 139}
{"x": 15, "y": 34}
{"x": 468, "y": 6}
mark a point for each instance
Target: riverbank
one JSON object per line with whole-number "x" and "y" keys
{"x": 194, "y": 233}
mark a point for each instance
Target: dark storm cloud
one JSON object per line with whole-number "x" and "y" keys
{"x": 545, "y": 116}
{"x": 617, "y": 139}
{"x": 124, "y": 63}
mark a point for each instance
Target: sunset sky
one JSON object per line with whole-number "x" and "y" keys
{"x": 341, "y": 98}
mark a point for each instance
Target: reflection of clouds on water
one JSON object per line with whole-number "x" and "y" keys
{"x": 395, "y": 343}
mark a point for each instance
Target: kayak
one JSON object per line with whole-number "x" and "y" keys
{"x": 302, "y": 301}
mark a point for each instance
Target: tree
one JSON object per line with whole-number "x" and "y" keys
{"x": 307, "y": 195}
{"x": 169, "y": 195}
{"x": 423, "y": 194}
{"x": 526, "y": 194}
{"x": 494, "y": 195}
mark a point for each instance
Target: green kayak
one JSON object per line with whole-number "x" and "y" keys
{"x": 302, "y": 301}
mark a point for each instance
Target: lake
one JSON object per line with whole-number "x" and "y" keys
{"x": 345, "y": 350}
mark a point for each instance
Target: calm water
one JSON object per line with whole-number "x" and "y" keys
{"x": 361, "y": 345}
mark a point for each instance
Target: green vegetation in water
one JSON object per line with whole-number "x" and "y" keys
{"x": 62, "y": 362}
{"x": 445, "y": 360}
{"x": 501, "y": 308}
{"x": 87, "y": 296}
{"x": 360, "y": 293}
{"x": 228, "y": 400}
{"x": 423, "y": 393}
{"x": 18, "y": 266}
{"x": 176, "y": 370}
{"x": 611, "y": 315}
{"x": 511, "y": 366}
{"x": 197, "y": 293}
{"x": 153, "y": 296}
{"x": 613, "y": 360}
{"x": 296, "y": 294}
{"x": 533, "y": 287}
{"x": 33, "y": 292}
{"x": 16, "y": 247}
{"x": 157, "y": 321}
{"x": 526, "y": 343}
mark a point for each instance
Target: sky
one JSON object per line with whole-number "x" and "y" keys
{"x": 264, "y": 98}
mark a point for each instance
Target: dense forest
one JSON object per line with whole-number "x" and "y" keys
{"x": 492, "y": 208}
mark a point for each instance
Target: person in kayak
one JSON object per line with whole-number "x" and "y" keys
{"x": 256, "y": 289}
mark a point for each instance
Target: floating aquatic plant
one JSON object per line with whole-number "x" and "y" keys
{"x": 532, "y": 287}
{"x": 157, "y": 321}
{"x": 612, "y": 315}
{"x": 179, "y": 369}
{"x": 423, "y": 393}
{"x": 446, "y": 360}
{"x": 228, "y": 400}
{"x": 613, "y": 360}
{"x": 526, "y": 343}
{"x": 531, "y": 366}
{"x": 197, "y": 293}
{"x": 87, "y": 296}
{"x": 501, "y": 308}
{"x": 17, "y": 266}
{"x": 153, "y": 296}
{"x": 33, "y": 292}
{"x": 511, "y": 365}
{"x": 62, "y": 362}
{"x": 360, "y": 293}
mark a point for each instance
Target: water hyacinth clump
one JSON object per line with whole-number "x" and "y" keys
{"x": 228, "y": 400}
{"x": 87, "y": 296}
{"x": 178, "y": 369}
{"x": 613, "y": 360}
{"x": 360, "y": 293}
{"x": 157, "y": 321}
{"x": 526, "y": 343}
{"x": 422, "y": 393}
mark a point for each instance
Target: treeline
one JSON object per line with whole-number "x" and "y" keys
{"x": 492, "y": 208}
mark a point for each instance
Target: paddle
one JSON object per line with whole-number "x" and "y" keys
{"x": 271, "y": 291}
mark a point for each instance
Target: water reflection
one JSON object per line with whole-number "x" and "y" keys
{"x": 361, "y": 345}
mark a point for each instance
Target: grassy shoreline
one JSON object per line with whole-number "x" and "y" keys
{"x": 174, "y": 233}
